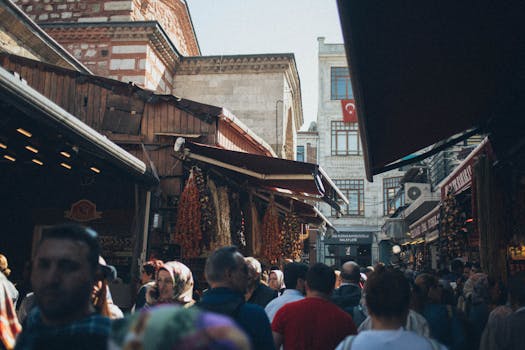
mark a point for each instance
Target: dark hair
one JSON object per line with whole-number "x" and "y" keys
{"x": 321, "y": 278}
{"x": 220, "y": 261}
{"x": 292, "y": 272}
{"x": 517, "y": 288}
{"x": 387, "y": 294}
{"x": 79, "y": 233}
{"x": 354, "y": 275}
{"x": 151, "y": 267}
{"x": 457, "y": 265}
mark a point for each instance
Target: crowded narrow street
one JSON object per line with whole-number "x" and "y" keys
{"x": 298, "y": 175}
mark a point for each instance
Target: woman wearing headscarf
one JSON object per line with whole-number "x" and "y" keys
{"x": 174, "y": 285}
{"x": 276, "y": 281}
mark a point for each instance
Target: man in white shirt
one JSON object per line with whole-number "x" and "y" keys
{"x": 387, "y": 295}
{"x": 294, "y": 278}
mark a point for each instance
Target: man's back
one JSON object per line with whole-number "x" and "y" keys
{"x": 509, "y": 332}
{"x": 347, "y": 297}
{"x": 389, "y": 340}
{"x": 250, "y": 317}
{"x": 289, "y": 296}
{"x": 262, "y": 295}
{"x": 312, "y": 323}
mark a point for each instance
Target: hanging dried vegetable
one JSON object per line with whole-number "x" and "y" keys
{"x": 222, "y": 236}
{"x": 223, "y": 218}
{"x": 237, "y": 226}
{"x": 454, "y": 241}
{"x": 292, "y": 243}
{"x": 188, "y": 232}
{"x": 271, "y": 235}
{"x": 208, "y": 221}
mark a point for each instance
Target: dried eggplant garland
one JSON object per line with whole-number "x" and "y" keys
{"x": 188, "y": 232}
{"x": 271, "y": 237}
{"x": 292, "y": 244}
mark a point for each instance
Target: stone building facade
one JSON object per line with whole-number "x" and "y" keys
{"x": 152, "y": 43}
{"x": 340, "y": 154}
{"x": 262, "y": 90}
{"x": 139, "y": 41}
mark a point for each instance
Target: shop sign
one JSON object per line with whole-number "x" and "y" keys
{"x": 460, "y": 182}
{"x": 427, "y": 224}
{"x": 83, "y": 211}
{"x": 461, "y": 177}
{"x": 351, "y": 237}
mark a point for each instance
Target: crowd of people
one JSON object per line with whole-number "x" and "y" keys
{"x": 248, "y": 307}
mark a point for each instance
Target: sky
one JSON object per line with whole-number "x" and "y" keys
{"x": 233, "y": 27}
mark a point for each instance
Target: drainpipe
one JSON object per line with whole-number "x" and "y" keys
{"x": 277, "y": 127}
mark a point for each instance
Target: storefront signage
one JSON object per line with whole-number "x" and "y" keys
{"x": 83, "y": 211}
{"x": 461, "y": 178}
{"x": 460, "y": 182}
{"x": 351, "y": 238}
{"x": 426, "y": 224}
{"x": 349, "y": 111}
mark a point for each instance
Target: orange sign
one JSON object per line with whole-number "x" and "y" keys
{"x": 83, "y": 211}
{"x": 349, "y": 111}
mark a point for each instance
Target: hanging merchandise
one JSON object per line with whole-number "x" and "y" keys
{"x": 208, "y": 222}
{"x": 237, "y": 225}
{"x": 454, "y": 243}
{"x": 221, "y": 204}
{"x": 291, "y": 240}
{"x": 271, "y": 235}
{"x": 188, "y": 232}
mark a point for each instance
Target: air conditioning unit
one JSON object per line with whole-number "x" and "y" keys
{"x": 415, "y": 190}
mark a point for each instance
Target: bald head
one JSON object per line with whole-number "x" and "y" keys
{"x": 350, "y": 272}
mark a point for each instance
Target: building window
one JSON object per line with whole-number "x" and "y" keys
{"x": 341, "y": 86}
{"x": 300, "y": 154}
{"x": 345, "y": 139}
{"x": 390, "y": 201}
{"x": 354, "y": 190}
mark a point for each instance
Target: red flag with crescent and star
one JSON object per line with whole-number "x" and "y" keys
{"x": 349, "y": 111}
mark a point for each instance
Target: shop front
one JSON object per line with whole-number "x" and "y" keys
{"x": 425, "y": 233}
{"x": 56, "y": 169}
{"x": 345, "y": 245}
{"x": 459, "y": 232}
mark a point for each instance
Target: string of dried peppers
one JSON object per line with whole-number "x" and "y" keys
{"x": 271, "y": 237}
{"x": 292, "y": 243}
{"x": 188, "y": 232}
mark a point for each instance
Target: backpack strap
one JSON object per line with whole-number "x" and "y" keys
{"x": 347, "y": 343}
{"x": 434, "y": 344}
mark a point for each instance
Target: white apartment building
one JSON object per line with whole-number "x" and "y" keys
{"x": 339, "y": 152}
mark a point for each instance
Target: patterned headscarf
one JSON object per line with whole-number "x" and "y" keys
{"x": 182, "y": 281}
{"x": 169, "y": 327}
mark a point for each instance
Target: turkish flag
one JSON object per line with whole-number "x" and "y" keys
{"x": 349, "y": 111}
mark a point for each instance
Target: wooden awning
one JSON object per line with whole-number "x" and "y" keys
{"x": 284, "y": 177}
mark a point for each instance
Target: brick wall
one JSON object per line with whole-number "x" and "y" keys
{"x": 122, "y": 60}
{"x": 174, "y": 19}
{"x": 55, "y": 11}
{"x": 171, "y": 14}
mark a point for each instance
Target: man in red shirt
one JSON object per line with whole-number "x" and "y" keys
{"x": 314, "y": 322}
